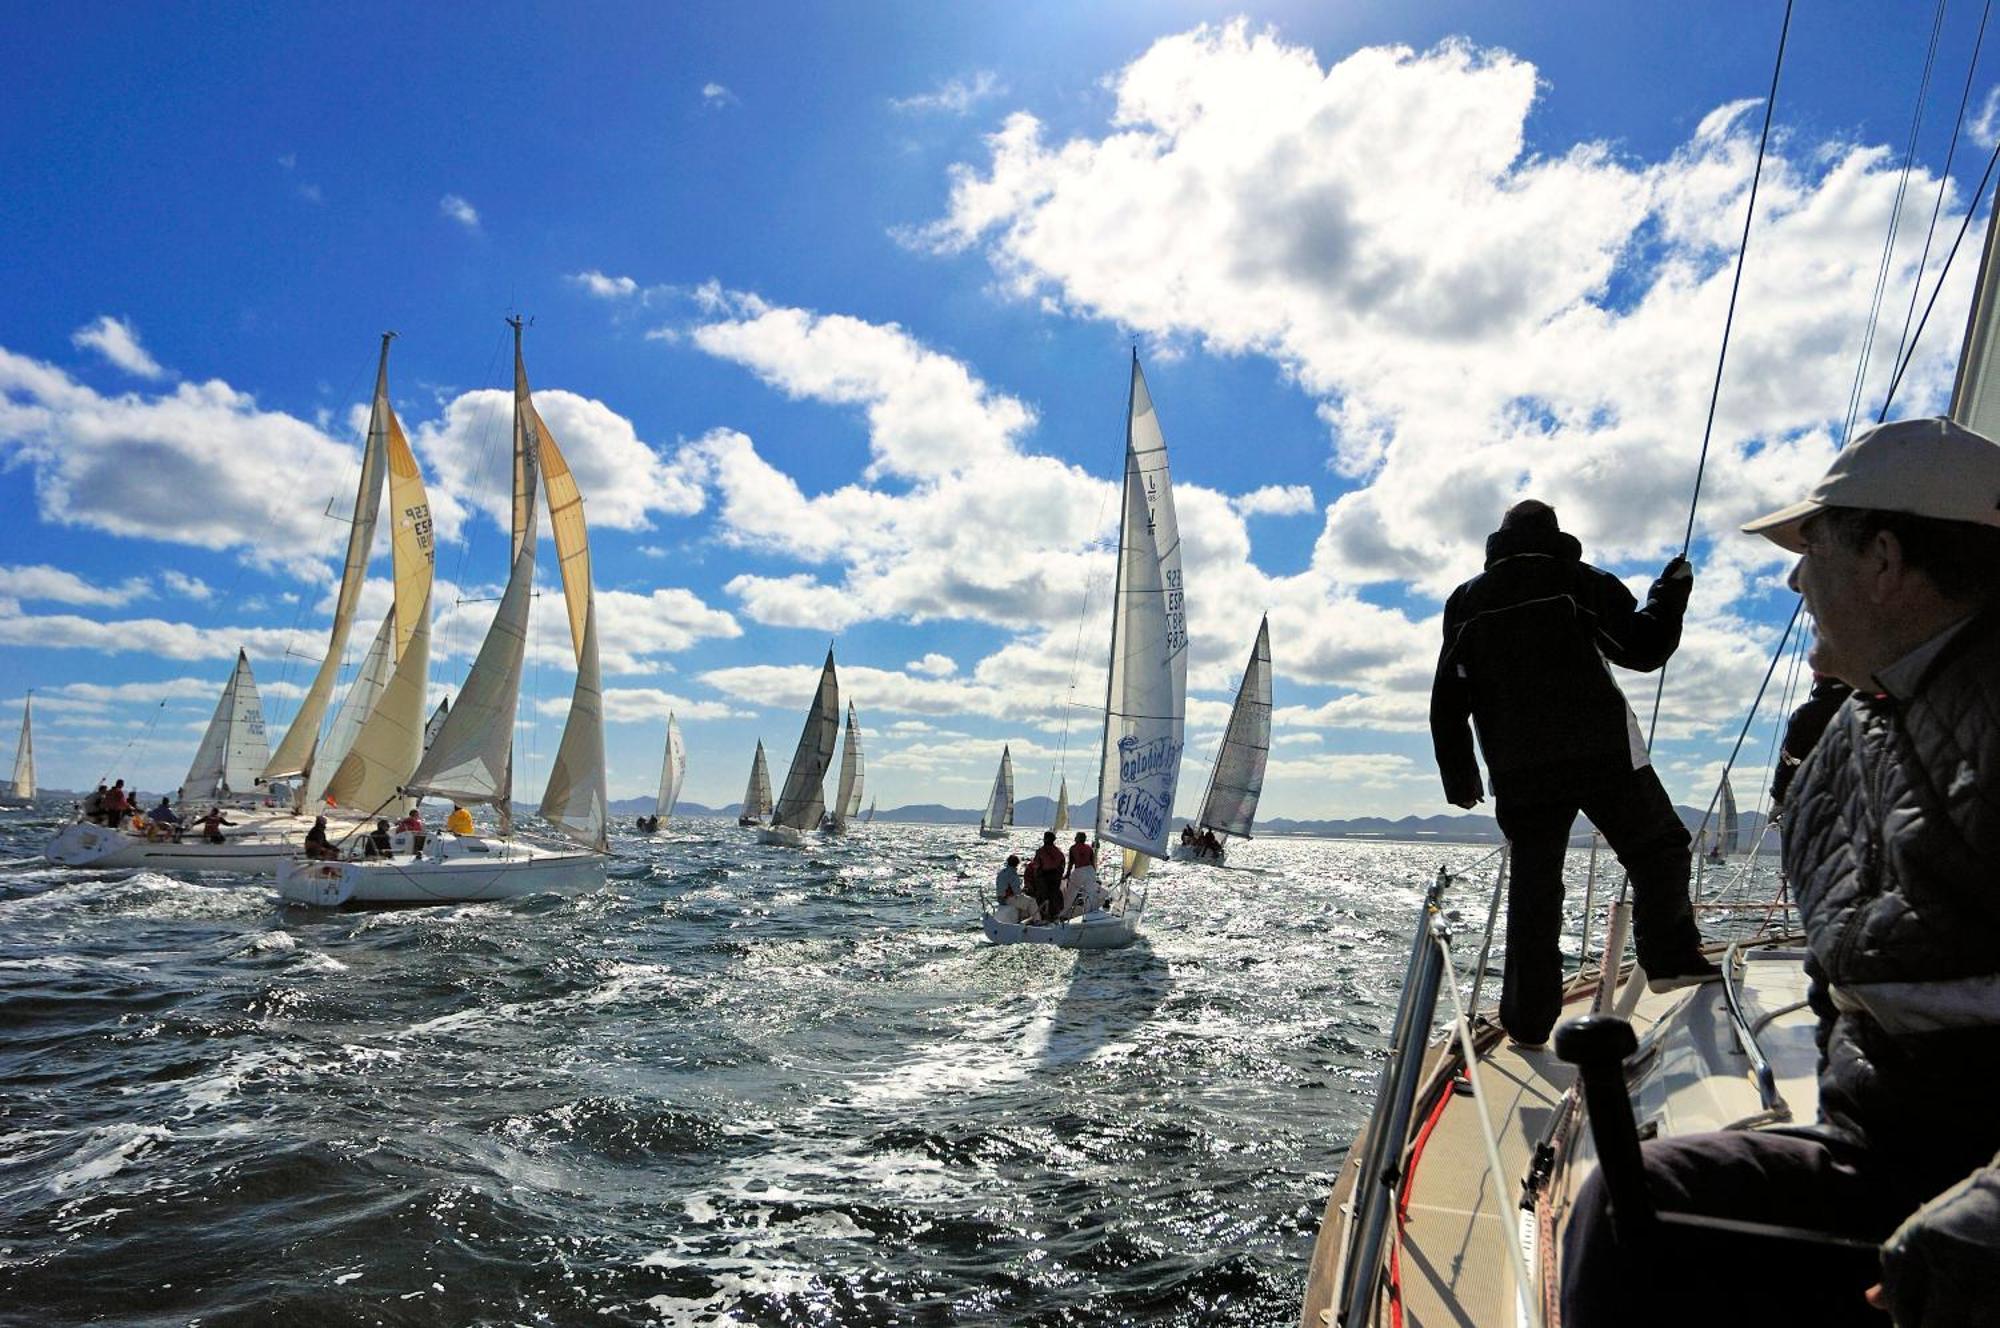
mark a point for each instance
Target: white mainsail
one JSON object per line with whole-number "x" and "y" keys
{"x": 757, "y": 796}
{"x": 673, "y": 770}
{"x": 23, "y": 783}
{"x": 576, "y": 798}
{"x": 1000, "y": 802}
{"x": 295, "y": 749}
{"x": 355, "y": 708}
{"x": 234, "y": 751}
{"x": 1730, "y": 839}
{"x": 1062, "y": 806}
{"x": 1146, "y": 695}
{"x": 847, "y": 792}
{"x": 1237, "y": 779}
{"x": 470, "y": 758}
{"x": 804, "y": 799}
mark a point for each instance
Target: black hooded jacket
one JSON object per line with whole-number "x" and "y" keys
{"x": 1525, "y": 646}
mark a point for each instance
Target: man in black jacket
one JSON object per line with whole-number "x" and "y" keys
{"x": 1525, "y": 649}
{"x": 1892, "y": 843}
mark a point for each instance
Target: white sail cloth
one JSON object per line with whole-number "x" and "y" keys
{"x": 1062, "y": 806}
{"x": 803, "y": 802}
{"x": 1000, "y": 802}
{"x": 1237, "y": 780}
{"x": 847, "y": 790}
{"x": 23, "y": 783}
{"x": 1146, "y": 699}
{"x": 234, "y": 751}
{"x": 673, "y": 770}
{"x": 757, "y": 795}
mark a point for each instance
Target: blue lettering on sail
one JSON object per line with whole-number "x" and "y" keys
{"x": 1144, "y": 800}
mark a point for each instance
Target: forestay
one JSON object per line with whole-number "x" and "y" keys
{"x": 1237, "y": 779}
{"x": 804, "y": 799}
{"x": 1146, "y": 697}
{"x": 234, "y": 751}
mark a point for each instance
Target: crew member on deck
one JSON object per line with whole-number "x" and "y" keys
{"x": 1045, "y": 875}
{"x": 1007, "y": 889}
{"x": 460, "y": 820}
{"x": 378, "y": 844}
{"x": 1526, "y": 645}
{"x": 317, "y": 845}
{"x": 213, "y": 821}
{"x": 1802, "y": 733}
{"x": 1893, "y": 846}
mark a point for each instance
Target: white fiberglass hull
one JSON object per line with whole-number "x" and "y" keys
{"x": 258, "y": 847}
{"x": 1092, "y": 931}
{"x": 468, "y": 870}
{"x": 1195, "y": 853}
{"x": 782, "y": 835}
{"x": 986, "y": 832}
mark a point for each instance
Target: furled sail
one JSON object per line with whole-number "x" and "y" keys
{"x": 1146, "y": 697}
{"x": 847, "y": 792}
{"x": 234, "y": 751}
{"x": 1000, "y": 802}
{"x": 1237, "y": 779}
{"x": 673, "y": 770}
{"x": 295, "y": 749}
{"x": 576, "y": 798}
{"x": 1062, "y": 805}
{"x": 804, "y": 799}
{"x": 470, "y": 758}
{"x": 23, "y": 784}
{"x": 757, "y": 796}
{"x": 1730, "y": 839}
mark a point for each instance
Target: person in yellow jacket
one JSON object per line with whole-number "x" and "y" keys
{"x": 460, "y": 820}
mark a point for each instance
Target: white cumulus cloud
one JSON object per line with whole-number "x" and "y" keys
{"x": 118, "y": 341}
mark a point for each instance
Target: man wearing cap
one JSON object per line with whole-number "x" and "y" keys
{"x": 1893, "y": 848}
{"x": 1525, "y": 650}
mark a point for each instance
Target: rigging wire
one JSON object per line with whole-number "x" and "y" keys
{"x": 1728, "y": 323}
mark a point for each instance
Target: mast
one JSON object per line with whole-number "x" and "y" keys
{"x": 1117, "y": 598}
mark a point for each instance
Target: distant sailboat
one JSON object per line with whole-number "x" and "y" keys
{"x": 803, "y": 802}
{"x": 233, "y": 749}
{"x": 436, "y": 722}
{"x": 999, "y": 813}
{"x": 1236, "y": 780}
{"x": 673, "y": 772}
{"x": 21, "y": 788}
{"x": 1729, "y": 834}
{"x": 757, "y": 797}
{"x": 1062, "y": 806}
{"x": 868, "y": 818}
{"x": 470, "y": 760}
{"x": 847, "y": 792}
{"x": 1145, "y": 700}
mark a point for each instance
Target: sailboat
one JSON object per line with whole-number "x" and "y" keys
{"x": 847, "y": 791}
{"x": 232, "y": 753}
{"x": 1145, "y": 701}
{"x": 868, "y": 818}
{"x": 1453, "y": 1204}
{"x": 352, "y": 770}
{"x": 21, "y": 788}
{"x": 673, "y": 773}
{"x": 1729, "y": 833}
{"x": 1236, "y": 779}
{"x": 470, "y": 760}
{"x": 999, "y": 813}
{"x": 1062, "y": 806}
{"x": 757, "y": 795}
{"x": 803, "y": 802}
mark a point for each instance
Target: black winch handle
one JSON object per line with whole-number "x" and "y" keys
{"x": 1597, "y": 1045}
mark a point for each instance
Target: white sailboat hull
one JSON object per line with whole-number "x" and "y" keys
{"x": 986, "y": 832}
{"x": 1092, "y": 931}
{"x": 1196, "y": 853}
{"x": 258, "y": 847}
{"x": 467, "y": 870}
{"x": 782, "y": 835}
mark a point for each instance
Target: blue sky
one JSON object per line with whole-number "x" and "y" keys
{"x": 832, "y": 306}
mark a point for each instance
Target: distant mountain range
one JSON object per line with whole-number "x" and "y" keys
{"x": 1030, "y": 813}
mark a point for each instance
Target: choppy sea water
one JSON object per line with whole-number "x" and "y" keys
{"x": 739, "y": 1085}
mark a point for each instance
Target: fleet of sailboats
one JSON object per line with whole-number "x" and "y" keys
{"x": 1236, "y": 779}
{"x": 1145, "y": 704}
{"x": 999, "y": 813}
{"x": 471, "y": 760}
{"x": 803, "y": 801}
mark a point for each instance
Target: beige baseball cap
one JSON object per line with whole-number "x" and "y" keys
{"x": 1934, "y": 468}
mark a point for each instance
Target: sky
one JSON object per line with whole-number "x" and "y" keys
{"x": 831, "y": 312}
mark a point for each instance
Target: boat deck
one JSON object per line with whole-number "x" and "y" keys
{"x": 1451, "y": 1264}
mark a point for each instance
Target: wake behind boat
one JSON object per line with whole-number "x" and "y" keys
{"x": 470, "y": 761}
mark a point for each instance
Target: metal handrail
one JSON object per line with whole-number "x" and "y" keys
{"x": 1492, "y": 919}
{"x": 1761, "y": 1073}
{"x": 1380, "y": 1176}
